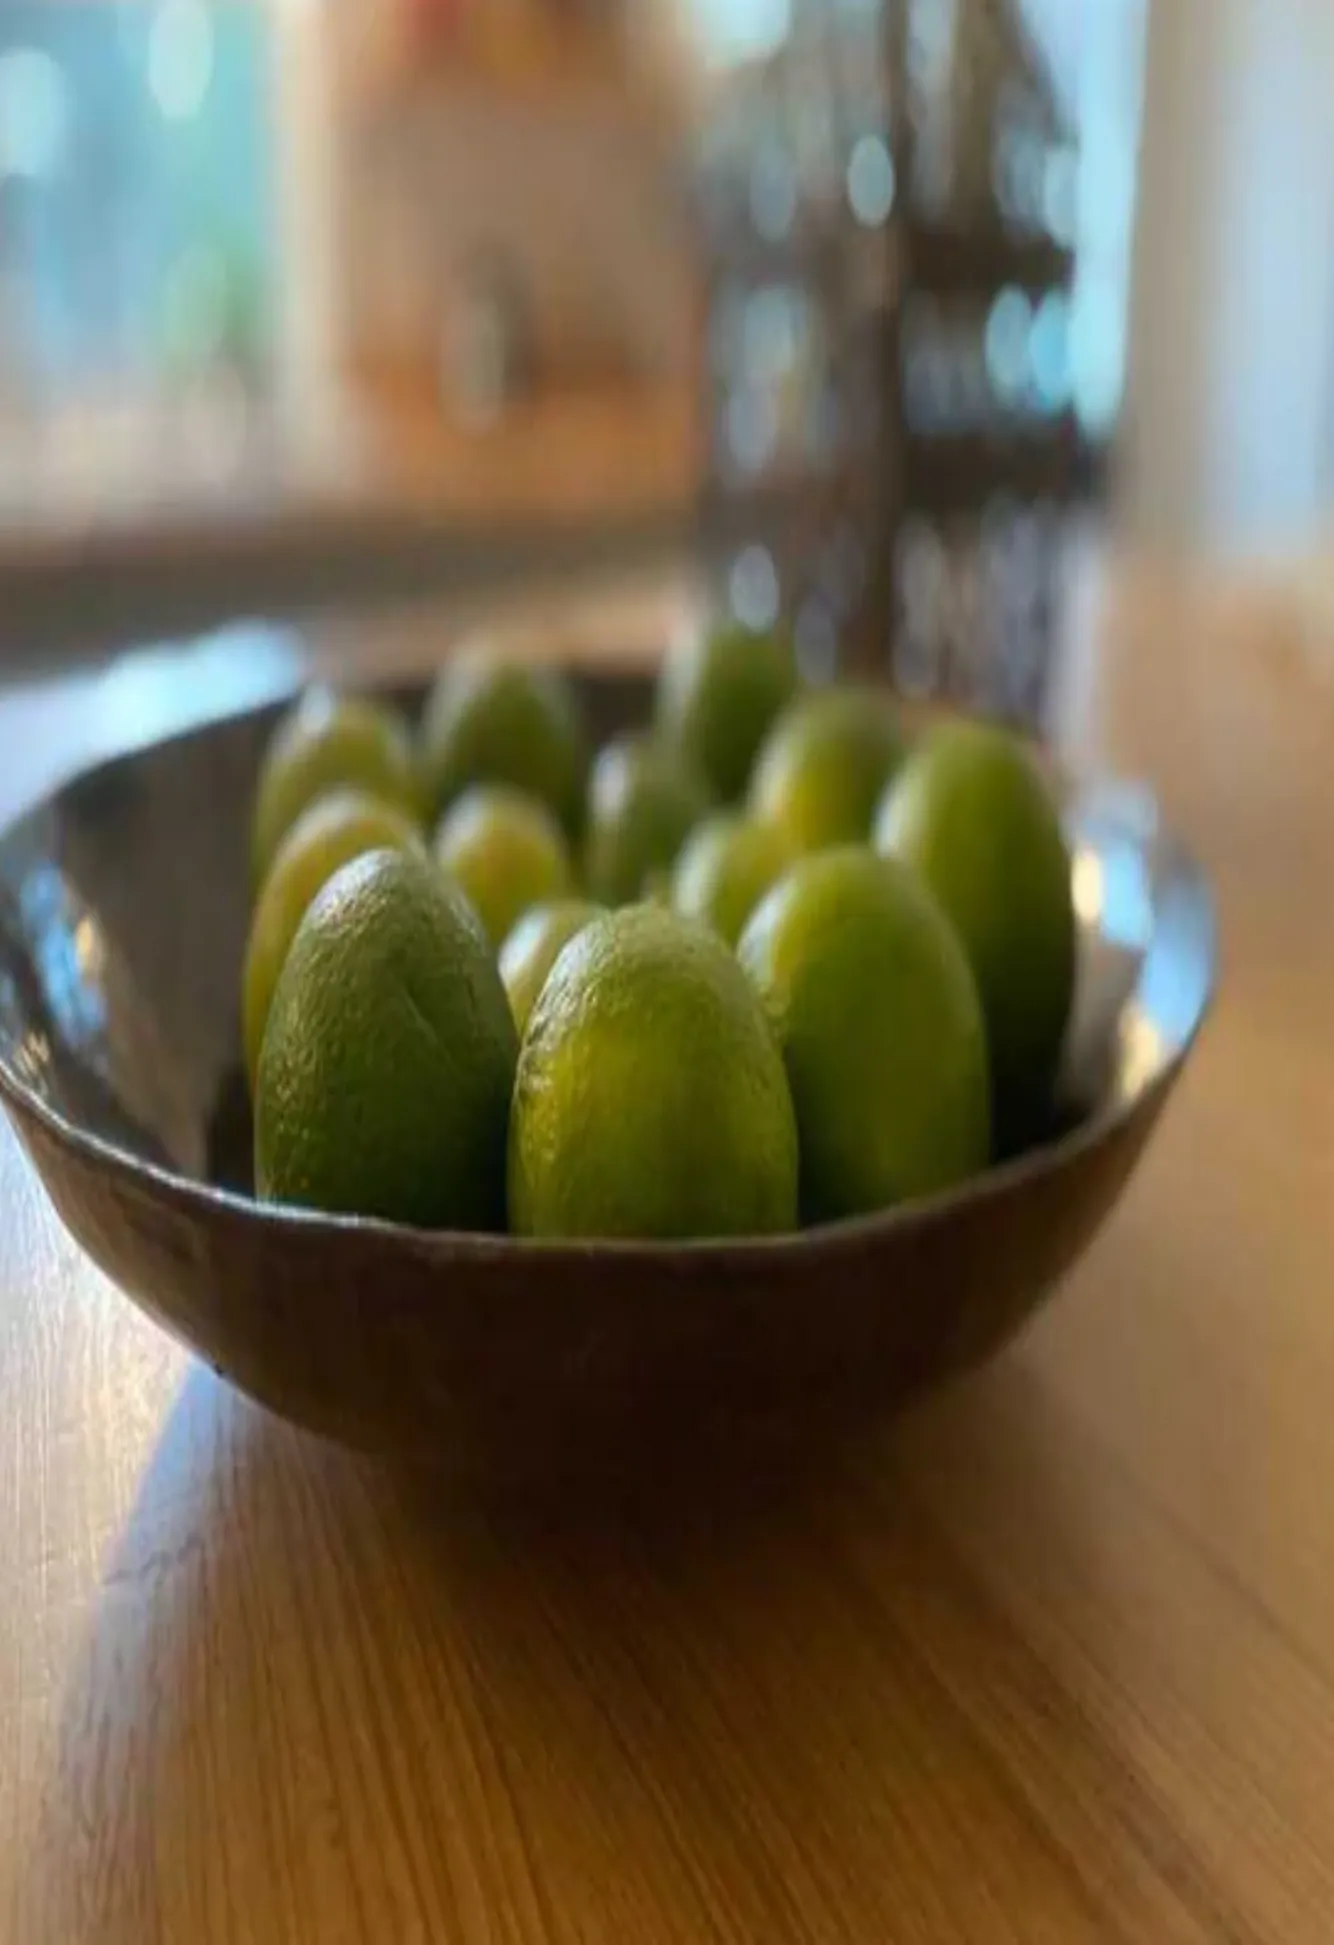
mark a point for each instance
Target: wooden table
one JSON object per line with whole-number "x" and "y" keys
{"x": 1054, "y": 1662}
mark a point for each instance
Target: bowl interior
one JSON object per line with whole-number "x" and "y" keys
{"x": 125, "y": 899}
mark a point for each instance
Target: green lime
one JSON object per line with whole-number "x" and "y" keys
{"x": 728, "y": 864}
{"x": 331, "y": 833}
{"x": 388, "y": 1063}
{"x": 650, "y": 1099}
{"x": 973, "y": 817}
{"x": 507, "y": 852}
{"x": 326, "y": 743}
{"x": 824, "y": 768}
{"x": 881, "y": 1030}
{"x": 534, "y": 946}
{"x": 642, "y": 805}
{"x": 718, "y": 695}
{"x": 499, "y": 722}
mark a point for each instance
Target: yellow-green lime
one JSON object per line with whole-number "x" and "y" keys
{"x": 501, "y": 722}
{"x": 881, "y": 1029}
{"x": 650, "y": 1099}
{"x": 325, "y": 743}
{"x": 824, "y": 768}
{"x": 727, "y": 866}
{"x": 507, "y": 852}
{"x": 642, "y": 805}
{"x": 972, "y": 816}
{"x": 718, "y": 695}
{"x": 331, "y": 833}
{"x": 387, "y": 1067}
{"x": 534, "y": 946}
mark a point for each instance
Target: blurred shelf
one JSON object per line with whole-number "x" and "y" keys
{"x": 948, "y": 477}
{"x": 153, "y": 537}
{"x": 581, "y": 452}
{"x": 981, "y": 257}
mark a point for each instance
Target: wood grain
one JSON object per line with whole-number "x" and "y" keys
{"x": 1054, "y": 1661}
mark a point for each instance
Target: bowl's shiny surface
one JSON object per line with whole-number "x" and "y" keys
{"x": 124, "y": 901}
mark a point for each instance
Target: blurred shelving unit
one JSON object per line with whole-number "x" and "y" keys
{"x": 889, "y": 195}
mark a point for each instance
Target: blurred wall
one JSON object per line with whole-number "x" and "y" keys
{"x": 1228, "y": 437}
{"x": 571, "y": 194}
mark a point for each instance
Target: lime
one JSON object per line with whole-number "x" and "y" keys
{"x": 388, "y": 1063}
{"x": 650, "y": 1098}
{"x": 499, "y": 722}
{"x": 534, "y": 946}
{"x": 972, "y": 816}
{"x": 822, "y": 771}
{"x": 507, "y": 852}
{"x": 642, "y": 805}
{"x": 331, "y": 833}
{"x": 881, "y": 1030}
{"x": 727, "y": 866}
{"x": 718, "y": 695}
{"x": 329, "y": 742}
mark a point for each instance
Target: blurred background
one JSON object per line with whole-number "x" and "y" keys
{"x": 884, "y": 315}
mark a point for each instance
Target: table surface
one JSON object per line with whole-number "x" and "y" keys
{"x": 1053, "y": 1661}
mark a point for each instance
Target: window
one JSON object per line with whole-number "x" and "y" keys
{"x": 136, "y": 224}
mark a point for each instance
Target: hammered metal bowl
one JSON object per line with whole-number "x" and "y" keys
{"x": 124, "y": 900}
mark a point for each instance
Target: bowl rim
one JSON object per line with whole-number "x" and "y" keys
{"x": 851, "y": 1233}
{"x": 483, "y": 1247}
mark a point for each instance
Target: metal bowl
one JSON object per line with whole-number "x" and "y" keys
{"x": 124, "y": 901}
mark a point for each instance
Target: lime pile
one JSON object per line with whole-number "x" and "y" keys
{"x": 824, "y": 768}
{"x": 534, "y": 946}
{"x": 727, "y": 865}
{"x": 507, "y": 852}
{"x": 878, "y": 1016}
{"x": 329, "y": 743}
{"x": 718, "y": 697}
{"x": 388, "y": 1060}
{"x": 335, "y": 830}
{"x": 643, "y": 803}
{"x": 497, "y": 722}
{"x": 769, "y": 962}
{"x": 974, "y": 820}
{"x": 651, "y": 1098}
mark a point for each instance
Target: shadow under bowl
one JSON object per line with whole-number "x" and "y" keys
{"x": 124, "y": 902}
